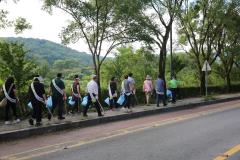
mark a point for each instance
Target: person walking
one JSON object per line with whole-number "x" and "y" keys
{"x": 38, "y": 99}
{"x": 57, "y": 90}
{"x": 173, "y": 85}
{"x": 10, "y": 93}
{"x": 126, "y": 90}
{"x": 92, "y": 89}
{"x": 132, "y": 89}
{"x": 147, "y": 88}
{"x": 75, "y": 88}
{"x": 112, "y": 92}
{"x": 159, "y": 87}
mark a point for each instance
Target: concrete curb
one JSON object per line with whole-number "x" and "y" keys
{"x": 24, "y": 133}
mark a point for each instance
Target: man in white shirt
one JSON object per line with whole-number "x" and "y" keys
{"x": 92, "y": 89}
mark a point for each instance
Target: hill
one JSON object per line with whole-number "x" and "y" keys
{"x": 52, "y": 52}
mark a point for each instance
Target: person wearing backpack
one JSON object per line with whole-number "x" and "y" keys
{"x": 37, "y": 98}
{"x": 57, "y": 90}
{"x": 10, "y": 93}
{"x": 75, "y": 88}
{"x": 112, "y": 92}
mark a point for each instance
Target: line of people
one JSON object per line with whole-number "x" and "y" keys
{"x": 38, "y": 98}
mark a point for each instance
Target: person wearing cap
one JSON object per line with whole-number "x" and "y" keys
{"x": 57, "y": 90}
{"x": 75, "y": 88}
{"x": 92, "y": 89}
{"x": 37, "y": 98}
{"x": 126, "y": 89}
{"x": 147, "y": 88}
{"x": 112, "y": 92}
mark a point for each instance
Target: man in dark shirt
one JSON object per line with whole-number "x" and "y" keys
{"x": 76, "y": 93}
{"x": 38, "y": 99}
{"x": 57, "y": 90}
{"x": 112, "y": 91}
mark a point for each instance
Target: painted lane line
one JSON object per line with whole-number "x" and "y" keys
{"x": 229, "y": 153}
{"x": 72, "y": 144}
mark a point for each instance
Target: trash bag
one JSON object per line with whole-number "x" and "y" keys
{"x": 107, "y": 101}
{"x": 71, "y": 102}
{"x": 121, "y": 99}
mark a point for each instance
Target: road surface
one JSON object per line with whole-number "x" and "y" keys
{"x": 202, "y": 133}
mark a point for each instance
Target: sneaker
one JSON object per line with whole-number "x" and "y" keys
{"x": 7, "y": 122}
{"x": 61, "y": 118}
{"x": 17, "y": 121}
{"x": 123, "y": 109}
{"x": 126, "y": 110}
{"x": 130, "y": 110}
{"x": 85, "y": 115}
{"x": 38, "y": 124}
{"x": 31, "y": 122}
{"x": 49, "y": 116}
{"x": 101, "y": 115}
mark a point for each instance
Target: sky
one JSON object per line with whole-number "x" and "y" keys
{"x": 44, "y": 25}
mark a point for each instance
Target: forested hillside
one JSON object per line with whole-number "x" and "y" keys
{"x": 50, "y": 51}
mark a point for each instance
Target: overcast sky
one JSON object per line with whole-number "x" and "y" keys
{"x": 44, "y": 26}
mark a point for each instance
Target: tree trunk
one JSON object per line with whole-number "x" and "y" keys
{"x": 228, "y": 79}
{"x": 99, "y": 83}
{"x": 202, "y": 82}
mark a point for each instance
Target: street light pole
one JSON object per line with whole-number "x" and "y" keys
{"x": 171, "y": 66}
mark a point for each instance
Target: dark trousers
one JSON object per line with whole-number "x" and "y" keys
{"x": 160, "y": 97}
{"x": 58, "y": 103}
{"x": 95, "y": 104}
{"x": 76, "y": 106}
{"x": 113, "y": 102}
{"x": 37, "y": 111}
{"x": 7, "y": 109}
{"x": 174, "y": 93}
{"x": 128, "y": 100}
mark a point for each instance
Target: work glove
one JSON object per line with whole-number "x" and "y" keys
{"x": 94, "y": 100}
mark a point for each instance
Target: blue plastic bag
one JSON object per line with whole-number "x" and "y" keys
{"x": 121, "y": 99}
{"x": 169, "y": 93}
{"x": 85, "y": 101}
{"x": 30, "y": 105}
{"x": 71, "y": 101}
{"x": 49, "y": 102}
{"x": 107, "y": 101}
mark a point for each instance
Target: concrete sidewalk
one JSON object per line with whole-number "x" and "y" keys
{"x": 24, "y": 130}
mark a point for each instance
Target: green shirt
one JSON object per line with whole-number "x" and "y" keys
{"x": 60, "y": 84}
{"x": 173, "y": 83}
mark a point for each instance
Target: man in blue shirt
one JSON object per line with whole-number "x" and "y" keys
{"x": 159, "y": 87}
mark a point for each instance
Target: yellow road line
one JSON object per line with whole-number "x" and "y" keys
{"x": 229, "y": 153}
{"x": 71, "y": 144}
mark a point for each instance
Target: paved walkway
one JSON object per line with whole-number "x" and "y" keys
{"x": 77, "y": 117}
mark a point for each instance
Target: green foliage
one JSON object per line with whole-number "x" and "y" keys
{"x": 14, "y": 63}
{"x": 140, "y": 62}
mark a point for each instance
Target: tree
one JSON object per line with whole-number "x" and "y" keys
{"x": 200, "y": 24}
{"x": 13, "y": 62}
{"x": 20, "y": 24}
{"x": 154, "y": 24}
{"x": 140, "y": 62}
{"x": 101, "y": 23}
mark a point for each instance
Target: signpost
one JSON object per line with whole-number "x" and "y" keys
{"x": 206, "y": 67}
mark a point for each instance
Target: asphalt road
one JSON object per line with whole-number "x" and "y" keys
{"x": 201, "y": 138}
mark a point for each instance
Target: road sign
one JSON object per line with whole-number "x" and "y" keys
{"x": 206, "y": 66}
